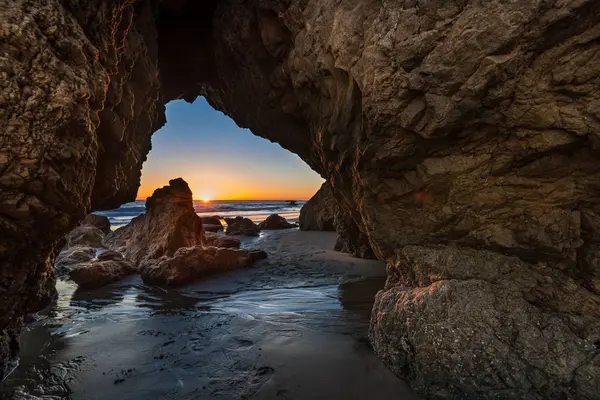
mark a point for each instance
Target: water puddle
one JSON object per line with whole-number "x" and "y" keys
{"x": 122, "y": 338}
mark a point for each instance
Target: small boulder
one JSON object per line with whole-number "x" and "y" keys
{"x": 98, "y": 273}
{"x": 191, "y": 263}
{"x": 215, "y": 240}
{"x": 84, "y": 235}
{"x": 71, "y": 256}
{"x": 99, "y": 221}
{"x": 242, "y": 226}
{"x": 275, "y": 221}
{"x": 212, "y": 224}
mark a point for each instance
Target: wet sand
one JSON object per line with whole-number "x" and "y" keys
{"x": 292, "y": 327}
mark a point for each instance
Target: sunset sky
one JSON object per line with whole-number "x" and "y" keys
{"x": 221, "y": 161}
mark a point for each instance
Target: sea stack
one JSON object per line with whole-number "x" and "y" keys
{"x": 169, "y": 223}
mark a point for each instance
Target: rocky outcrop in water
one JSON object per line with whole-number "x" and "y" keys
{"x": 70, "y": 256}
{"x": 109, "y": 267}
{"x": 191, "y": 263}
{"x": 468, "y": 125}
{"x": 275, "y": 221}
{"x": 169, "y": 223}
{"x": 240, "y": 226}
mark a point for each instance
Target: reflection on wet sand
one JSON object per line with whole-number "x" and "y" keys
{"x": 259, "y": 333}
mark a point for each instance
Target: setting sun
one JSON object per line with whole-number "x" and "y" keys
{"x": 206, "y": 200}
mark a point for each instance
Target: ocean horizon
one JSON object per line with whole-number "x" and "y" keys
{"x": 256, "y": 210}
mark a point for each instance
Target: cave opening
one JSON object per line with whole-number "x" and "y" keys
{"x": 459, "y": 142}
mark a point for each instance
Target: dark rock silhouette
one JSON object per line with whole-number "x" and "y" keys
{"x": 99, "y": 221}
{"x": 212, "y": 224}
{"x": 318, "y": 213}
{"x": 242, "y": 227}
{"x": 275, "y": 221}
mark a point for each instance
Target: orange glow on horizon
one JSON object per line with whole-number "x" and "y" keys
{"x": 231, "y": 188}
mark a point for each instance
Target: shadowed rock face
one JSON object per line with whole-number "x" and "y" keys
{"x": 455, "y": 128}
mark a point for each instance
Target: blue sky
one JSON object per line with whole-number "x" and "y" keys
{"x": 220, "y": 160}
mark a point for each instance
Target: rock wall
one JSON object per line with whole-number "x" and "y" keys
{"x": 449, "y": 131}
{"x": 322, "y": 213}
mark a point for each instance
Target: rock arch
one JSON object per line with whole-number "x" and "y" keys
{"x": 462, "y": 138}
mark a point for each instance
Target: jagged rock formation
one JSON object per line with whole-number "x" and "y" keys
{"x": 191, "y": 263}
{"x": 169, "y": 223}
{"x": 275, "y": 221}
{"x": 242, "y": 227}
{"x": 468, "y": 125}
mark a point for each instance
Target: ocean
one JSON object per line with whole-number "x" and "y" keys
{"x": 256, "y": 210}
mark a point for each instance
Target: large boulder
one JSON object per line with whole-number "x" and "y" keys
{"x": 100, "y": 272}
{"x": 447, "y": 311}
{"x": 70, "y": 256}
{"x": 85, "y": 235}
{"x": 275, "y": 221}
{"x": 318, "y": 213}
{"x": 99, "y": 221}
{"x": 191, "y": 263}
{"x": 169, "y": 223}
{"x": 241, "y": 226}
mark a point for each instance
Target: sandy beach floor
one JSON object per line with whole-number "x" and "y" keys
{"x": 292, "y": 327}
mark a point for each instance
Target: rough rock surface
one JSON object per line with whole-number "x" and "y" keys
{"x": 468, "y": 124}
{"x": 84, "y": 235}
{"x": 275, "y": 221}
{"x": 318, "y": 213}
{"x": 351, "y": 240}
{"x": 448, "y": 310}
{"x": 323, "y": 213}
{"x": 215, "y": 240}
{"x": 100, "y": 272}
{"x": 70, "y": 256}
{"x": 242, "y": 227}
{"x": 191, "y": 263}
{"x": 169, "y": 223}
{"x": 99, "y": 221}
